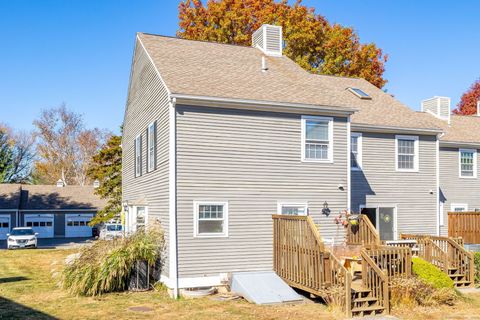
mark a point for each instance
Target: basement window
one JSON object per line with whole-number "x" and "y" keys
{"x": 359, "y": 93}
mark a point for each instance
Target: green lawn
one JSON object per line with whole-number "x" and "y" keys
{"x": 28, "y": 291}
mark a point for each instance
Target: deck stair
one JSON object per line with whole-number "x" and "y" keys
{"x": 449, "y": 255}
{"x": 303, "y": 261}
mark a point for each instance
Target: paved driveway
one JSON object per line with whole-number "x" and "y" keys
{"x": 57, "y": 243}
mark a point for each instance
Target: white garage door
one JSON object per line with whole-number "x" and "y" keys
{"x": 41, "y": 223}
{"x": 76, "y": 225}
{"x": 4, "y": 227}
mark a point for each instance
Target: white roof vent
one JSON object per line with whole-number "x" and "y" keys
{"x": 60, "y": 183}
{"x": 96, "y": 184}
{"x": 268, "y": 39}
{"x": 438, "y": 106}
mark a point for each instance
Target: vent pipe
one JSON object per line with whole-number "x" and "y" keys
{"x": 60, "y": 183}
{"x": 264, "y": 64}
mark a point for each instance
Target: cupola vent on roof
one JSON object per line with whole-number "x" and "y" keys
{"x": 268, "y": 39}
{"x": 438, "y": 106}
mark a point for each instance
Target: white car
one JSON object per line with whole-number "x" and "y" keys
{"x": 111, "y": 231}
{"x": 22, "y": 238}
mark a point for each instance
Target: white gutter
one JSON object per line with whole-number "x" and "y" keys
{"x": 172, "y": 198}
{"x": 457, "y": 144}
{"x": 391, "y": 129}
{"x": 261, "y": 105}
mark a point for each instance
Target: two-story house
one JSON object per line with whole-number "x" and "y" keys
{"x": 219, "y": 137}
{"x": 458, "y": 158}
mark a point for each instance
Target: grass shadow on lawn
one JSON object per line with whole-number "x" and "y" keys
{"x": 12, "y": 279}
{"x": 12, "y": 310}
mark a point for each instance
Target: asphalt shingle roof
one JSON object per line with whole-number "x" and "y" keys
{"x": 461, "y": 129}
{"x": 227, "y": 71}
{"x": 44, "y": 197}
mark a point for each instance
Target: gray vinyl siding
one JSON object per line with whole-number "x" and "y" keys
{"x": 380, "y": 184}
{"x": 147, "y": 102}
{"x": 453, "y": 188}
{"x": 252, "y": 160}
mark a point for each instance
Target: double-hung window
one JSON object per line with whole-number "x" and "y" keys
{"x": 356, "y": 151}
{"x": 151, "y": 147}
{"x": 292, "y": 208}
{"x": 211, "y": 219}
{"x": 138, "y": 156}
{"x": 406, "y": 153}
{"x": 317, "y": 139}
{"x": 468, "y": 163}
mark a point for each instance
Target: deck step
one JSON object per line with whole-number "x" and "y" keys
{"x": 365, "y": 299}
{"x": 357, "y": 287}
{"x": 369, "y": 308}
{"x": 456, "y": 275}
{"x": 462, "y": 283}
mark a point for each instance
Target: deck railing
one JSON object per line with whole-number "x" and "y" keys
{"x": 375, "y": 280}
{"x": 465, "y": 225}
{"x": 301, "y": 260}
{"x": 363, "y": 233}
{"x": 445, "y": 253}
{"x": 395, "y": 261}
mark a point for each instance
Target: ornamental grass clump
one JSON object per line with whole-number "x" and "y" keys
{"x": 106, "y": 266}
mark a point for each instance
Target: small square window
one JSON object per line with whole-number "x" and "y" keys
{"x": 211, "y": 219}
{"x": 29, "y": 223}
{"x": 49, "y": 223}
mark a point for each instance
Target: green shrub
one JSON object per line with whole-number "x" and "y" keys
{"x": 431, "y": 274}
{"x": 106, "y": 265}
{"x": 477, "y": 267}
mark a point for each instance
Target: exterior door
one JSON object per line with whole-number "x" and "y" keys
{"x": 4, "y": 226}
{"x": 386, "y": 223}
{"x": 76, "y": 225}
{"x": 41, "y": 224}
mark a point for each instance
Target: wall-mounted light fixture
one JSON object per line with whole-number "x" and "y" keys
{"x": 326, "y": 210}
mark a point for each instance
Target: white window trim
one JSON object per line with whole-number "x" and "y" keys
{"x": 458, "y": 205}
{"x": 281, "y": 204}
{"x": 150, "y": 143}
{"x": 415, "y": 156}
{"x": 474, "y": 151}
{"x": 330, "y": 138}
{"x": 359, "y": 150}
{"x": 196, "y": 205}
{"x": 138, "y": 152}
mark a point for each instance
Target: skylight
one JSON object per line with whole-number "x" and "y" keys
{"x": 359, "y": 93}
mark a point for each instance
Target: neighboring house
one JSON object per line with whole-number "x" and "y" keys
{"x": 52, "y": 211}
{"x": 459, "y": 173}
{"x": 217, "y": 138}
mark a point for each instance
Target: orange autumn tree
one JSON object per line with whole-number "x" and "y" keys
{"x": 310, "y": 40}
{"x": 468, "y": 101}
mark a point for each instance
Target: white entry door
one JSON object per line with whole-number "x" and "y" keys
{"x": 41, "y": 224}
{"x": 76, "y": 225}
{"x": 4, "y": 226}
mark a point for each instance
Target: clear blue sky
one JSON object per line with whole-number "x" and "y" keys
{"x": 79, "y": 51}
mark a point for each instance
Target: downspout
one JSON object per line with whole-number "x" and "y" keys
{"x": 349, "y": 169}
{"x": 437, "y": 173}
{"x": 172, "y": 195}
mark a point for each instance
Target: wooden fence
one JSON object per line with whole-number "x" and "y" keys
{"x": 465, "y": 225}
{"x": 375, "y": 280}
{"x": 363, "y": 233}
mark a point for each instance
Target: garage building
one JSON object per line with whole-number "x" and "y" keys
{"x": 52, "y": 211}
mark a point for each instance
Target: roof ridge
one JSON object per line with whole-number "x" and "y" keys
{"x": 195, "y": 40}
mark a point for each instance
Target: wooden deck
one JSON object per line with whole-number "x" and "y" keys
{"x": 303, "y": 261}
{"x": 449, "y": 255}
